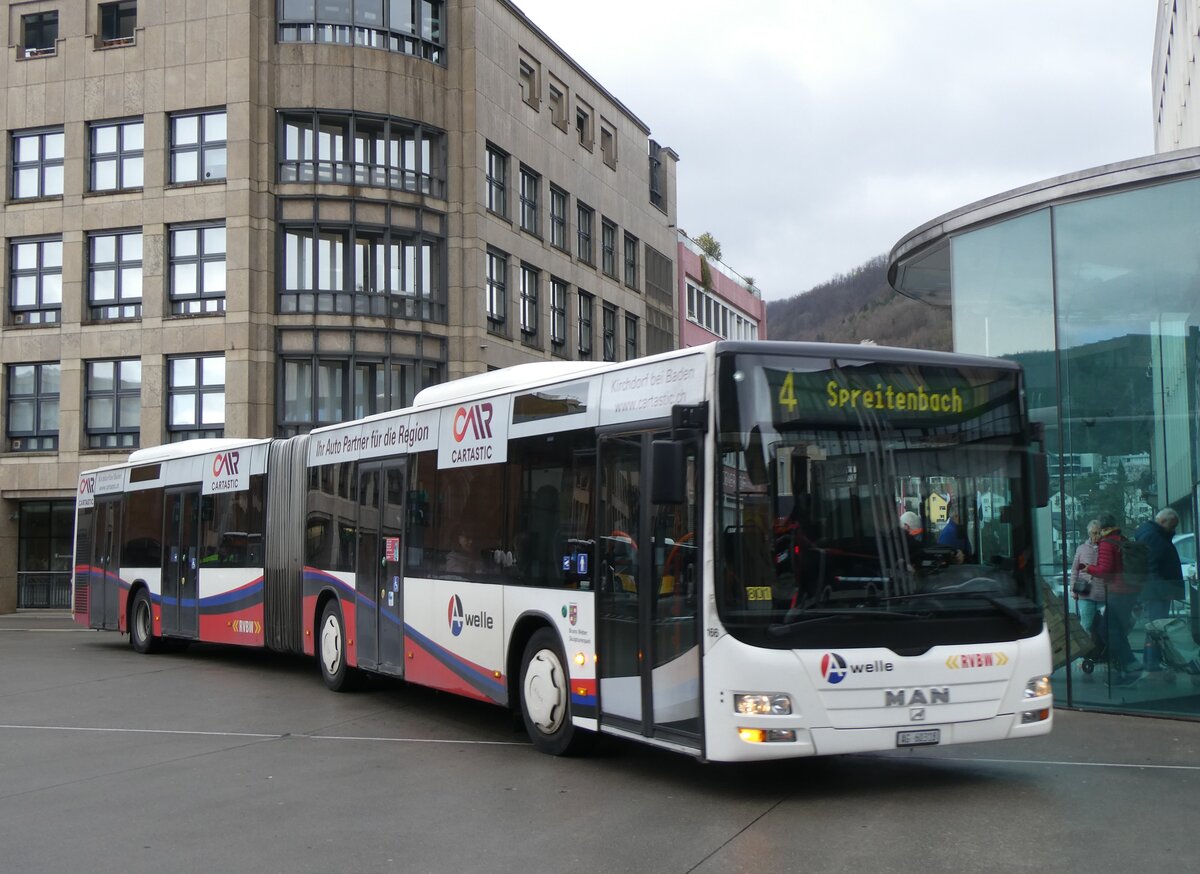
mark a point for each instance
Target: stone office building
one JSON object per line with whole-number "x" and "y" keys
{"x": 252, "y": 217}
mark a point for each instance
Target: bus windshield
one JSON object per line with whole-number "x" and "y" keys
{"x": 868, "y": 503}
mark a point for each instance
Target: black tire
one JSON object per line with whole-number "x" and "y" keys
{"x": 546, "y": 698}
{"x": 141, "y": 625}
{"x": 1088, "y": 666}
{"x": 331, "y": 649}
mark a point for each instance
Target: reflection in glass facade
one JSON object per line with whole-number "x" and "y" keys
{"x": 1098, "y": 298}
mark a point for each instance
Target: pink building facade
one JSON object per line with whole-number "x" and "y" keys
{"x": 717, "y": 304}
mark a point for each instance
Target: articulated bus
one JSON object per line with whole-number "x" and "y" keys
{"x": 700, "y": 550}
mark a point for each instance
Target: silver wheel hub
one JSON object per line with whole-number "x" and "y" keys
{"x": 545, "y": 691}
{"x": 331, "y": 644}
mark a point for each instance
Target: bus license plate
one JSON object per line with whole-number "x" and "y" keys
{"x": 923, "y": 738}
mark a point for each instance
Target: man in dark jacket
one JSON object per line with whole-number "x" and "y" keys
{"x": 1164, "y": 576}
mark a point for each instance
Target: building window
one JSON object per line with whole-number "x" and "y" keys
{"x": 198, "y": 147}
{"x": 530, "y": 183}
{"x": 608, "y": 248}
{"x": 113, "y": 403}
{"x": 497, "y": 295}
{"x": 529, "y": 73}
{"x": 116, "y": 158}
{"x": 529, "y": 303}
{"x": 196, "y": 397}
{"x": 117, "y": 22}
{"x": 115, "y": 275}
{"x": 610, "y": 332}
{"x": 558, "y": 104}
{"x": 497, "y": 181}
{"x": 360, "y": 269}
{"x": 583, "y": 124}
{"x": 558, "y": 312}
{"x": 37, "y": 164}
{"x": 585, "y": 325}
{"x": 363, "y": 150}
{"x": 32, "y": 420}
{"x": 558, "y": 218}
{"x": 36, "y": 281}
{"x": 411, "y": 27}
{"x": 323, "y": 390}
{"x": 608, "y": 144}
{"x": 631, "y": 271}
{"x": 658, "y": 186}
{"x": 584, "y": 217}
{"x": 717, "y": 317}
{"x": 631, "y": 337}
{"x": 39, "y": 33}
{"x": 198, "y": 269}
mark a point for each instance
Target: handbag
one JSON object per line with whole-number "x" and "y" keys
{"x": 1081, "y": 588}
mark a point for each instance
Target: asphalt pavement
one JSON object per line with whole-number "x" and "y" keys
{"x": 231, "y": 760}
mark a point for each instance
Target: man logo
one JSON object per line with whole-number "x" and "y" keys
{"x": 454, "y": 615}
{"x": 833, "y": 667}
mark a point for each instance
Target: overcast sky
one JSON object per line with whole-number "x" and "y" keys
{"x": 814, "y": 134}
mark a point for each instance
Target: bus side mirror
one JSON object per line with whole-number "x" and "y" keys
{"x": 667, "y": 476}
{"x": 1041, "y": 480}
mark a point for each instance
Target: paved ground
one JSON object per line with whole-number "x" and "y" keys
{"x": 227, "y": 760}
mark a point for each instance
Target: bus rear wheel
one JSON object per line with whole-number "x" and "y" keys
{"x": 331, "y": 649}
{"x": 546, "y": 697}
{"x": 141, "y": 625}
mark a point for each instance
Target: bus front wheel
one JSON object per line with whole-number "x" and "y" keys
{"x": 546, "y": 697}
{"x": 331, "y": 649}
{"x": 141, "y": 624}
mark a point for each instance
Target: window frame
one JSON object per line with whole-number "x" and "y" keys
{"x": 558, "y": 312}
{"x": 631, "y": 261}
{"x": 47, "y": 45}
{"x": 201, "y": 301}
{"x": 198, "y": 392}
{"x": 585, "y": 124}
{"x": 116, "y": 435}
{"x": 530, "y": 317}
{"x": 122, "y": 158}
{"x": 41, "y": 163}
{"x": 609, "y": 331}
{"x": 41, "y": 437}
{"x": 584, "y": 321}
{"x": 608, "y": 248}
{"x": 422, "y": 33}
{"x": 559, "y": 226}
{"x": 125, "y": 13}
{"x": 201, "y": 148}
{"x": 529, "y": 194}
{"x": 39, "y": 312}
{"x": 496, "y": 289}
{"x": 631, "y": 336}
{"x": 585, "y": 251}
{"x": 127, "y": 306}
{"x": 496, "y": 179}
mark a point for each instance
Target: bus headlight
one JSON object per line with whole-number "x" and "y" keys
{"x": 1038, "y": 687}
{"x": 762, "y": 704}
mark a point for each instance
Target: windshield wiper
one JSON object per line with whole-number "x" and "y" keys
{"x": 985, "y": 594}
{"x": 811, "y": 616}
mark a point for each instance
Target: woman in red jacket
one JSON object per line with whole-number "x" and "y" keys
{"x": 1122, "y": 598}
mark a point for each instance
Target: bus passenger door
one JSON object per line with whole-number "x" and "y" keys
{"x": 104, "y": 603}
{"x": 381, "y": 491}
{"x": 181, "y": 564}
{"x": 647, "y": 596}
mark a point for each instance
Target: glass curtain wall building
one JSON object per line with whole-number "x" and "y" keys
{"x": 1092, "y": 282}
